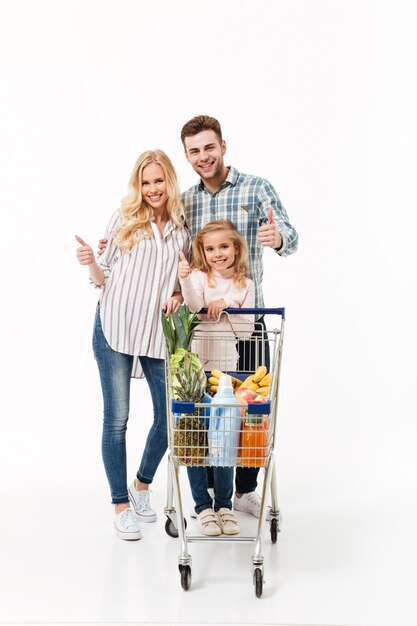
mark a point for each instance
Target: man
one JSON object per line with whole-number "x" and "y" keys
{"x": 254, "y": 206}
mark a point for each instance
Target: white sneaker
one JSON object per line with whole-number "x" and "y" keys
{"x": 127, "y": 525}
{"x": 208, "y": 523}
{"x": 211, "y": 494}
{"x": 140, "y": 502}
{"x": 249, "y": 503}
{"x": 228, "y": 522}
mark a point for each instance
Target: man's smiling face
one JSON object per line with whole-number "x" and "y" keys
{"x": 205, "y": 154}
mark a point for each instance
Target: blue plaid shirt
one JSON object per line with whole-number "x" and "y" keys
{"x": 244, "y": 200}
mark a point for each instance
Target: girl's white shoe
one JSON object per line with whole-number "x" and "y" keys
{"x": 228, "y": 522}
{"x": 208, "y": 523}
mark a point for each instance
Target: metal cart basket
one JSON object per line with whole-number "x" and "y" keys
{"x": 192, "y": 440}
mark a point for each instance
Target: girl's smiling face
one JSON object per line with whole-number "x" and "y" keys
{"x": 219, "y": 249}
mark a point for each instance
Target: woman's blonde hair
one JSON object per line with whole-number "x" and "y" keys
{"x": 240, "y": 265}
{"x": 136, "y": 214}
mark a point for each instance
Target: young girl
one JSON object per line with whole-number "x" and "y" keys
{"x": 137, "y": 275}
{"x": 216, "y": 280}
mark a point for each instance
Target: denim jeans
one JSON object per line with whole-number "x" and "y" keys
{"x": 115, "y": 370}
{"x": 223, "y": 487}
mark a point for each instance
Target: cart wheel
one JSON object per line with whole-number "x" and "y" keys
{"x": 258, "y": 581}
{"x": 171, "y": 529}
{"x": 274, "y": 530}
{"x": 185, "y": 571}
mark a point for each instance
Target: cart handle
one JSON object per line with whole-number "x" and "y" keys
{"x": 280, "y": 311}
{"x": 254, "y": 408}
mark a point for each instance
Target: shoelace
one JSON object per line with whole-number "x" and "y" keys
{"x": 127, "y": 518}
{"x": 253, "y": 499}
{"x": 143, "y": 503}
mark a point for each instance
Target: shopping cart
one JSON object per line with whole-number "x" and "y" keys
{"x": 190, "y": 441}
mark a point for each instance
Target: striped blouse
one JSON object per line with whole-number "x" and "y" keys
{"x": 136, "y": 285}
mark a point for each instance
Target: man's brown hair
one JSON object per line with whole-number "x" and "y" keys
{"x": 198, "y": 124}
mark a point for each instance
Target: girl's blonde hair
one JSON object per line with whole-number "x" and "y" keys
{"x": 240, "y": 265}
{"x": 136, "y": 214}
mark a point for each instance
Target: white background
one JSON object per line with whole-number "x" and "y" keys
{"x": 320, "y": 98}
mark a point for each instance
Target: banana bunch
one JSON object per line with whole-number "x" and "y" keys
{"x": 213, "y": 381}
{"x": 260, "y": 381}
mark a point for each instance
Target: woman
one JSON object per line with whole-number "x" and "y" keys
{"x": 138, "y": 277}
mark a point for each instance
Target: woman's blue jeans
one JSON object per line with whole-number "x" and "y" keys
{"x": 222, "y": 483}
{"x": 115, "y": 371}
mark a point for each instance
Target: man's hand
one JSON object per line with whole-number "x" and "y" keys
{"x": 268, "y": 235}
{"x": 183, "y": 266}
{"x": 102, "y": 245}
{"x": 172, "y": 304}
{"x": 85, "y": 253}
{"x": 215, "y": 308}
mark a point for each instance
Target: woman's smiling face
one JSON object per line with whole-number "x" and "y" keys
{"x": 154, "y": 186}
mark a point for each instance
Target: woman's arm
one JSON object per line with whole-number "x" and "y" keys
{"x": 99, "y": 272}
{"x": 85, "y": 256}
{"x": 173, "y": 303}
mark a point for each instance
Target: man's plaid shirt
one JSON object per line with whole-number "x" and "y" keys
{"x": 244, "y": 200}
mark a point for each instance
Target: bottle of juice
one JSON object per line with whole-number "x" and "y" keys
{"x": 254, "y": 442}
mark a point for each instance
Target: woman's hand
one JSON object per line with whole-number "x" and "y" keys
{"x": 215, "y": 308}
{"x": 102, "y": 245}
{"x": 85, "y": 253}
{"x": 183, "y": 266}
{"x": 172, "y": 304}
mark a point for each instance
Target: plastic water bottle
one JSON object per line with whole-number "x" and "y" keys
{"x": 224, "y": 428}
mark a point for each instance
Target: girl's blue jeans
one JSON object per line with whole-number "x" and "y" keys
{"x": 222, "y": 484}
{"x": 115, "y": 371}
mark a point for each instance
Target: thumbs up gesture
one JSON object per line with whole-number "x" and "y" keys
{"x": 183, "y": 266}
{"x": 268, "y": 235}
{"x": 85, "y": 253}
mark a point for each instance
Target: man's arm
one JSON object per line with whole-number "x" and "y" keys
{"x": 275, "y": 229}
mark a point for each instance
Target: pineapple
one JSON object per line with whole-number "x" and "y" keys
{"x": 179, "y": 329}
{"x": 190, "y": 435}
{"x": 188, "y": 385}
{"x": 189, "y": 382}
{"x": 190, "y": 440}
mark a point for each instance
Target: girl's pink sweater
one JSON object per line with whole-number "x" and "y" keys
{"x": 215, "y": 341}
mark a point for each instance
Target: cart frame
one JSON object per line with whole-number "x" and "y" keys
{"x": 175, "y": 525}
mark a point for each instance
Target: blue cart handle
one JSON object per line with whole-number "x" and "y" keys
{"x": 280, "y": 311}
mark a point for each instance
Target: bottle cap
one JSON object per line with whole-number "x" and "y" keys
{"x": 225, "y": 383}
